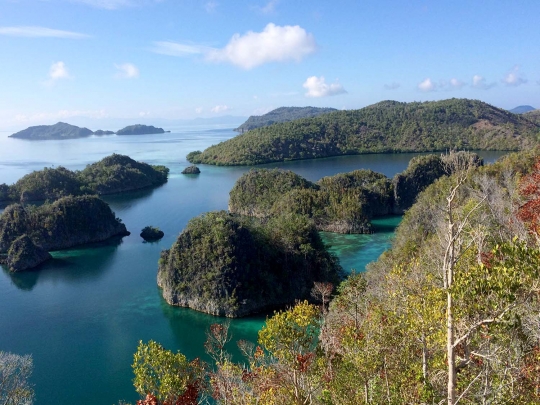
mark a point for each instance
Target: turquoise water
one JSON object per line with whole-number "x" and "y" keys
{"x": 82, "y": 314}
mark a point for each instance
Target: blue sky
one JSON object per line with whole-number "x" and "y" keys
{"x": 94, "y": 61}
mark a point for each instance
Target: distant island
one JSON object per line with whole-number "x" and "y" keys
{"x": 385, "y": 127}
{"x": 112, "y": 174}
{"x": 522, "y": 109}
{"x": 140, "y": 130}
{"x": 61, "y": 130}
{"x": 282, "y": 114}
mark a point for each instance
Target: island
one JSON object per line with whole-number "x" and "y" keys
{"x": 101, "y": 132}
{"x": 67, "y": 222}
{"x": 282, "y": 114}
{"x": 191, "y": 170}
{"x": 60, "y": 130}
{"x": 385, "y": 127}
{"x": 140, "y": 130}
{"x": 23, "y": 254}
{"x": 111, "y": 175}
{"x": 344, "y": 203}
{"x": 151, "y": 233}
{"x": 233, "y": 266}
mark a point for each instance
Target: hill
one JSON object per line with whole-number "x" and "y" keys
{"x": 113, "y": 174}
{"x": 233, "y": 266}
{"x": 282, "y": 114}
{"x": 385, "y": 127}
{"x": 60, "y": 130}
{"x": 533, "y": 116}
{"x": 522, "y": 109}
{"x": 139, "y": 129}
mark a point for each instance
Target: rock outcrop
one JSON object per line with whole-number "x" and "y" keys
{"x": 191, "y": 170}
{"x": 24, "y": 254}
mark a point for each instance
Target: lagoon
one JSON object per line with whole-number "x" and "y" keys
{"x": 82, "y": 314}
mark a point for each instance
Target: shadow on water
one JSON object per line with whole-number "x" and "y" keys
{"x": 130, "y": 196}
{"x": 190, "y": 341}
{"x": 72, "y": 266}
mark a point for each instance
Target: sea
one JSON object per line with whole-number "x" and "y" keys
{"x": 82, "y": 315}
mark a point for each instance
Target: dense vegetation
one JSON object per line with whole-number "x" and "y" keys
{"x": 151, "y": 233}
{"x": 67, "y": 222}
{"x": 388, "y": 126}
{"x": 23, "y": 254}
{"x": 139, "y": 129}
{"x": 448, "y": 315}
{"x": 119, "y": 173}
{"x": 282, "y": 114}
{"x": 60, "y": 130}
{"x": 233, "y": 265}
{"x": 533, "y": 116}
{"x": 344, "y": 203}
{"x": 112, "y": 174}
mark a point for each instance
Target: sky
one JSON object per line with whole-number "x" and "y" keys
{"x": 97, "y": 61}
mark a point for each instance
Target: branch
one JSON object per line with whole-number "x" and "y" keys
{"x": 482, "y": 322}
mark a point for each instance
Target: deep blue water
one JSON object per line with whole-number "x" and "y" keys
{"x": 82, "y": 314}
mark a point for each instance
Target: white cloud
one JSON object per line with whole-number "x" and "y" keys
{"x": 392, "y": 86}
{"x": 198, "y": 110}
{"x": 178, "y": 49}
{"x": 456, "y": 83}
{"x": 269, "y": 7}
{"x": 427, "y": 85}
{"x": 40, "y": 32}
{"x": 317, "y": 87}
{"x": 274, "y": 44}
{"x": 220, "y": 108}
{"x": 57, "y": 71}
{"x": 127, "y": 71}
{"x": 210, "y": 6}
{"x": 514, "y": 78}
{"x": 480, "y": 82}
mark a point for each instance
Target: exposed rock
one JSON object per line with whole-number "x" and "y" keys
{"x": 150, "y": 233}
{"x": 24, "y": 254}
{"x": 191, "y": 170}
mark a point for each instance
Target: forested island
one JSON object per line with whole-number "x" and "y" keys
{"x": 450, "y": 311}
{"x": 61, "y": 130}
{"x": 67, "y": 222}
{"x": 140, "y": 130}
{"x": 282, "y": 114}
{"x": 233, "y": 266}
{"x": 385, "y": 127}
{"x": 113, "y": 174}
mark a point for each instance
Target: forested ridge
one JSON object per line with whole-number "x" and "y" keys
{"x": 113, "y": 174}
{"x": 388, "y": 126}
{"x": 448, "y": 315}
{"x": 282, "y": 114}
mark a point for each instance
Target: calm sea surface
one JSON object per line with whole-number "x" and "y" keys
{"x": 82, "y": 315}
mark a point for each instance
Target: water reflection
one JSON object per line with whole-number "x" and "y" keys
{"x": 72, "y": 266}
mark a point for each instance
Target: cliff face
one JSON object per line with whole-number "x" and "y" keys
{"x": 234, "y": 266}
{"x": 68, "y": 222}
{"x": 24, "y": 254}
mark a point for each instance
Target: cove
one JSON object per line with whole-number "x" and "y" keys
{"x": 82, "y": 314}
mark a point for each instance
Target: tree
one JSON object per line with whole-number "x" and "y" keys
{"x": 15, "y": 371}
{"x": 164, "y": 376}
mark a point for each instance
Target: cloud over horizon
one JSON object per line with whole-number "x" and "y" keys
{"x": 514, "y": 78}
{"x": 274, "y": 44}
{"x": 40, "y": 32}
{"x": 317, "y": 87}
{"x": 427, "y": 85}
{"x": 220, "y": 108}
{"x": 480, "y": 82}
{"x": 57, "y": 71}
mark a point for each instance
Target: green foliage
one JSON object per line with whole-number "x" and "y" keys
{"x": 162, "y": 373}
{"x": 15, "y": 372}
{"x": 388, "y": 126}
{"x": 232, "y": 266}
{"x": 139, "y": 129}
{"x": 113, "y": 174}
{"x": 67, "y": 222}
{"x": 118, "y": 173}
{"x": 282, "y": 114}
{"x": 151, "y": 233}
